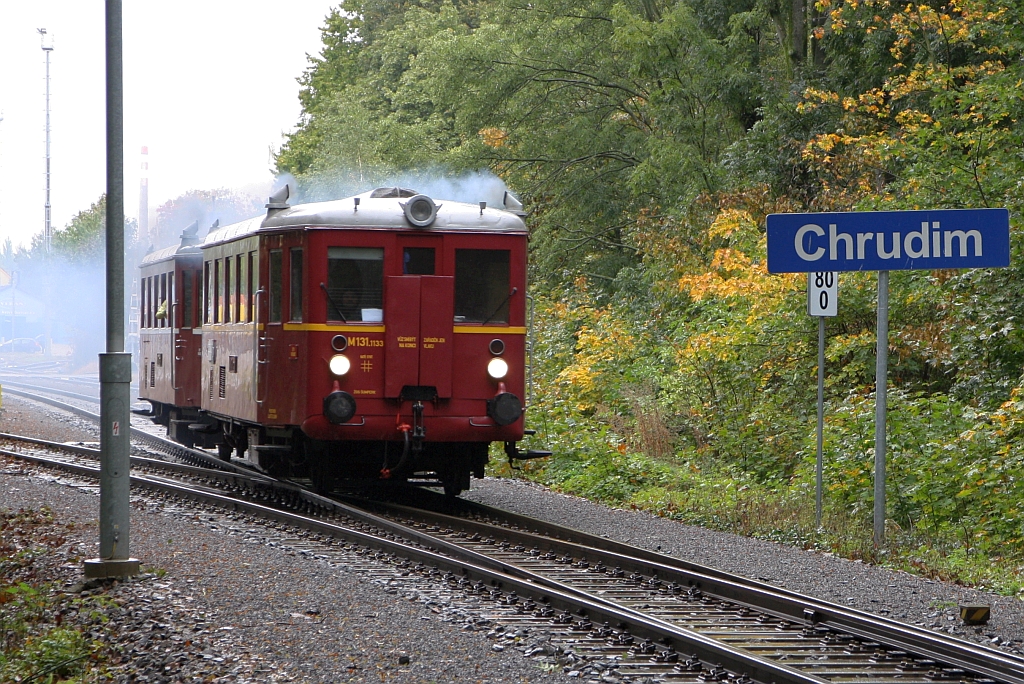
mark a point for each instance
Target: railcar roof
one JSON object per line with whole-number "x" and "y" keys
{"x": 168, "y": 253}
{"x": 373, "y": 213}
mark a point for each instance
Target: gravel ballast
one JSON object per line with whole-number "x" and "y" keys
{"x": 269, "y": 613}
{"x": 854, "y": 584}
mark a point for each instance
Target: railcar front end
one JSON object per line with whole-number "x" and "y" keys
{"x": 380, "y": 336}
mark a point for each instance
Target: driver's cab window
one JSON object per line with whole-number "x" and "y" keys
{"x": 355, "y": 284}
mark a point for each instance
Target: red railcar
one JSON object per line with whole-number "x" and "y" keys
{"x": 170, "y": 337}
{"x": 378, "y": 336}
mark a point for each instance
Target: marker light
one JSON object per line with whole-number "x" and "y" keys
{"x": 497, "y": 368}
{"x": 340, "y": 364}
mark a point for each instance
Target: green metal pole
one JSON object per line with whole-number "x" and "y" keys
{"x": 819, "y": 461}
{"x": 115, "y": 364}
{"x": 881, "y": 388}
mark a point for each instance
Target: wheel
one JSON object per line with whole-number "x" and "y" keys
{"x": 451, "y": 488}
{"x": 455, "y": 481}
{"x": 321, "y": 469}
{"x": 224, "y": 451}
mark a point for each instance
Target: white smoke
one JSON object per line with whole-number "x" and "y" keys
{"x": 472, "y": 187}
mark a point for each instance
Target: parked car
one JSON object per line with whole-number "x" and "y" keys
{"x": 21, "y": 344}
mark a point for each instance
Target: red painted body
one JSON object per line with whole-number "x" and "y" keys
{"x": 387, "y": 357}
{"x": 435, "y": 298}
{"x": 170, "y": 337}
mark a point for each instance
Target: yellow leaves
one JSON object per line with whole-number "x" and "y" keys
{"x": 603, "y": 346}
{"x": 493, "y": 137}
{"x": 733, "y": 274}
{"x": 731, "y": 221}
{"x": 813, "y": 98}
{"x": 913, "y": 120}
{"x": 717, "y": 345}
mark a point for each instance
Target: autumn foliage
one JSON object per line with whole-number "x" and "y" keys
{"x": 649, "y": 141}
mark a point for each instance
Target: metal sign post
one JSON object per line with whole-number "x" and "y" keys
{"x": 886, "y": 241}
{"x": 881, "y": 391}
{"x": 822, "y": 301}
{"x": 115, "y": 365}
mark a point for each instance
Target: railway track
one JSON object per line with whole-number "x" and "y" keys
{"x": 145, "y": 433}
{"x": 584, "y": 602}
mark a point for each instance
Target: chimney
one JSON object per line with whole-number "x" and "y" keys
{"x": 144, "y": 199}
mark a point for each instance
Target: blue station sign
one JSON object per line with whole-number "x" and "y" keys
{"x": 888, "y": 240}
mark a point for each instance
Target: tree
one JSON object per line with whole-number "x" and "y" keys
{"x": 204, "y": 206}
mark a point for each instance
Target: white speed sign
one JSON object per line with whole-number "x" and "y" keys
{"x": 822, "y": 293}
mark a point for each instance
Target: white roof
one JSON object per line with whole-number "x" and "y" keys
{"x": 373, "y": 213}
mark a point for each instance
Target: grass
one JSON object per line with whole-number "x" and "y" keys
{"x": 35, "y": 643}
{"x": 731, "y": 501}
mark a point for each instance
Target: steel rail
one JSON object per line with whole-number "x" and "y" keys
{"x": 778, "y": 601}
{"x": 781, "y": 602}
{"x": 161, "y": 442}
{"x": 52, "y": 390}
{"x": 500, "y": 575}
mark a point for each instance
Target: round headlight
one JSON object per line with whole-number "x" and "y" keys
{"x": 420, "y": 211}
{"x": 340, "y": 364}
{"x": 497, "y": 368}
{"x": 497, "y": 347}
{"x": 505, "y": 408}
{"x": 339, "y": 407}
{"x": 339, "y": 343}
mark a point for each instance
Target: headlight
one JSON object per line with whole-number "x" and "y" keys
{"x": 497, "y": 368}
{"x": 420, "y": 211}
{"x": 340, "y": 364}
{"x": 339, "y": 407}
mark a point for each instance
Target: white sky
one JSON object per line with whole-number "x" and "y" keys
{"x": 209, "y": 88}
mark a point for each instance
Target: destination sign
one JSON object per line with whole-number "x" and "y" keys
{"x": 888, "y": 240}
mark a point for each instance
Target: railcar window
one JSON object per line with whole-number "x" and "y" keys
{"x": 355, "y": 283}
{"x": 161, "y": 308}
{"x": 218, "y": 291}
{"x": 418, "y": 261}
{"x": 295, "y": 285}
{"x": 143, "y": 305}
{"x": 229, "y": 283}
{"x": 252, "y": 286}
{"x": 275, "y": 286}
{"x": 170, "y": 300}
{"x": 239, "y": 289}
{"x": 482, "y": 285}
{"x": 207, "y": 292}
{"x": 186, "y": 299}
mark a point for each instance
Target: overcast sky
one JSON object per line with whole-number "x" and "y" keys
{"x": 209, "y": 88}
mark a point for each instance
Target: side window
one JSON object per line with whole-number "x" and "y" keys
{"x": 204, "y": 290}
{"x": 143, "y": 305}
{"x": 239, "y": 302}
{"x": 218, "y": 291}
{"x": 482, "y": 285}
{"x": 207, "y": 294}
{"x": 171, "y": 310}
{"x": 229, "y": 283}
{"x": 355, "y": 284}
{"x": 186, "y": 299}
{"x": 161, "y": 309}
{"x": 295, "y": 285}
{"x": 251, "y": 289}
{"x": 275, "y": 286}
